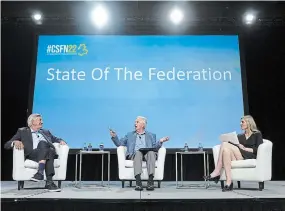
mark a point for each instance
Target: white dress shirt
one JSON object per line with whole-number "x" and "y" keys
{"x": 37, "y": 137}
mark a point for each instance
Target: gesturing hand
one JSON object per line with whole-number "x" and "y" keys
{"x": 18, "y": 144}
{"x": 113, "y": 133}
{"x": 164, "y": 139}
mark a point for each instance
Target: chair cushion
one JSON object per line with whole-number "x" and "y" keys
{"x": 249, "y": 163}
{"x": 34, "y": 165}
{"x": 130, "y": 164}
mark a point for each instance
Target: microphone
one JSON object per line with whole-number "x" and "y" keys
{"x": 140, "y": 137}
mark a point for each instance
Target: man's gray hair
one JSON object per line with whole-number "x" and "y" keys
{"x": 143, "y": 119}
{"x": 31, "y": 118}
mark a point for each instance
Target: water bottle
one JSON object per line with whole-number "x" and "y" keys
{"x": 200, "y": 147}
{"x": 85, "y": 147}
{"x": 89, "y": 147}
{"x": 186, "y": 147}
{"x": 101, "y": 147}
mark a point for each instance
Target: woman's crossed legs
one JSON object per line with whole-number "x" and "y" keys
{"x": 228, "y": 153}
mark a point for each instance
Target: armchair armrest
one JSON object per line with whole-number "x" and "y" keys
{"x": 62, "y": 152}
{"x": 264, "y": 160}
{"x": 159, "y": 173}
{"x": 216, "y": 151}
{"x": 18, "y": 163}
{"x": 121, "y": 153}
{"x": 18, "y": 158}
{"x": 161, "y": 157}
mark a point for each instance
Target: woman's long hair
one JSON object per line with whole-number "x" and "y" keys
{"x": 250, "y": 123}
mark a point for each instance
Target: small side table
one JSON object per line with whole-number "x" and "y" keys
{"x": 80, "y": 153}
{"x": 206, "y": 165}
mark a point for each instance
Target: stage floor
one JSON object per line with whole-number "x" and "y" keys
{"x": 168, "y": 191}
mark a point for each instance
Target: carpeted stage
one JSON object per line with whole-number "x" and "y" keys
{"x": 167, "y": 198}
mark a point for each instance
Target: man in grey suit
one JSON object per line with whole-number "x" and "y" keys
{"x": 136, "y": 140}
{"x": 38, "y": 146}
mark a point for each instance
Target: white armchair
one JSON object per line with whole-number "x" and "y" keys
{"x": 23, "y": 169}
{"x": 259, "y": 169}
{"x": 126, "y": 169}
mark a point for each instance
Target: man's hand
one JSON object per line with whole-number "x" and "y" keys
{"x": 62, "y": 142}
{"x": 164, "y": 139}
{"x": 113, "y": 133}
{"x": 18, "y": 144}
{"x": 241, "y": 146}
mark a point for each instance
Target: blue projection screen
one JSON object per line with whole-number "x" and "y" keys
{"x": 188, "y": 87}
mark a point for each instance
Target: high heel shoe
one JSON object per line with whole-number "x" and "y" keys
{"x": 210, "y": 178}
{"x": 228, "y": 188}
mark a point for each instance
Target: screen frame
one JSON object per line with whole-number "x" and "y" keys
{"x": 170, "y": 150}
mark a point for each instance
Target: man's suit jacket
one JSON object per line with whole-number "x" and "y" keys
{"x": 130, "y": 141}
{"x": 25, "y": 136}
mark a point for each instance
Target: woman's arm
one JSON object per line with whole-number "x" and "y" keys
{"x": 258, "y": 141}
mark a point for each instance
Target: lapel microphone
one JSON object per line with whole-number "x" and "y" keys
{"x": 38, "y": 133}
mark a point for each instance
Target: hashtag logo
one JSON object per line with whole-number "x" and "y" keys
{"x": 49, "y": 49}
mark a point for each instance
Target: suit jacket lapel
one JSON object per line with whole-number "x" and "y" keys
{"x": 46, "y": 137}
{"x": 29, "y": 135}
{"x": 147, "y": 140}
{"x": 134, "y": 138}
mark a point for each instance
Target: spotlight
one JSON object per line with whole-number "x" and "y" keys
{"x": 249, "y": 18}
{"x": 176, "y": 16}
{"x": 37, "y": 17}
{"x": 99, "y": 16}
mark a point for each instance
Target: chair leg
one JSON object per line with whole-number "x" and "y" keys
{"x": 238, "y": 184}
{"x": 20, "y": 185}
{"x": 59, "y": 184}
{"x": 261, "y": 186}
{"x": 158, "y": 184}
{"x": 222, "y": 184}
{"x": 123, "y": 184}
{"x": 131, "y": 183}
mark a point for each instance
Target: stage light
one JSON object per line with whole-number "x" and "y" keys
{"x": 99, "y": 16}
{"x": 37, "y": 17}
{"x": 249, "y": 18}
{"x": 176, "y": 16}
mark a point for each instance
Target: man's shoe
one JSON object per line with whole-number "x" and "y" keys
{"x": 52, "y": 187}
{"x": 139, "y": 188}
{"x": 138, "y": 183}
{"x": 37, "y": 177}
{"x": 150, "y": 185}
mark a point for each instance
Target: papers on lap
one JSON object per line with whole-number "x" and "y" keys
{"x": 230, "y": 137}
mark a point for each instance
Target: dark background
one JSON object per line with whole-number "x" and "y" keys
{"x": 263, "y": 52}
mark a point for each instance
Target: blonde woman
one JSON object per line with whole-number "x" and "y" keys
{"x": 247, "y": 149}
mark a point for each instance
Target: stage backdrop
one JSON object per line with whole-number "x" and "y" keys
{"x": 188, "y": 87}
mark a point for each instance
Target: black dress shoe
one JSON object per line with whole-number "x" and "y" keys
{"x": 37, "y": 177}
{"x": 138, "y": 188}
{"x": 228, "y": 187}
{"x": 52, "y": 187}
{"x": 138, "y": 183}
{"x": 215, "y": 179}
{"x": 150, "y": 186}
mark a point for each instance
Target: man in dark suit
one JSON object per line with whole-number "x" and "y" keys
{"x": 136, "y": 140}
{"x": 38, "y": 146}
